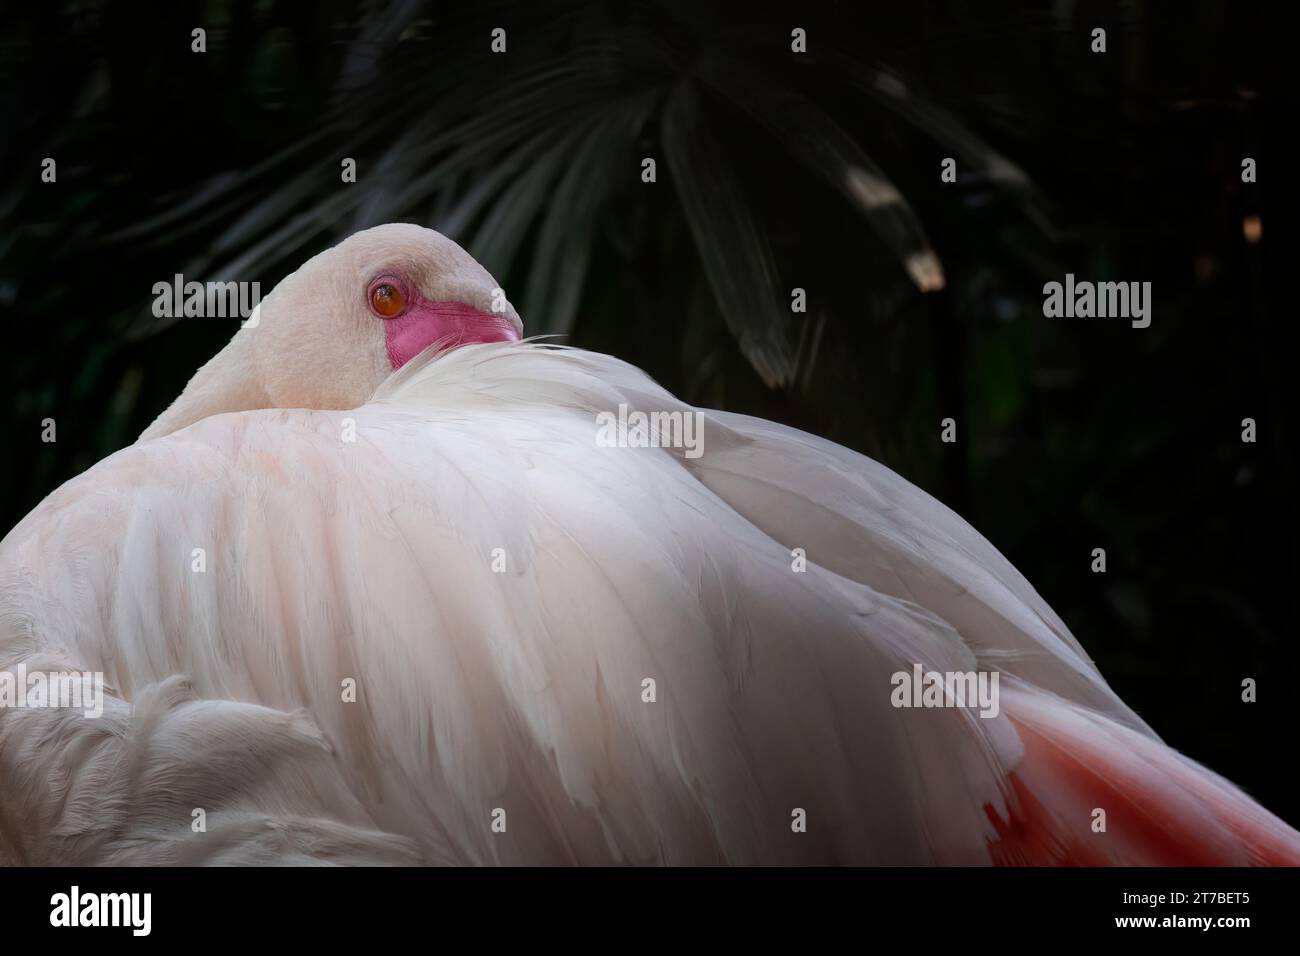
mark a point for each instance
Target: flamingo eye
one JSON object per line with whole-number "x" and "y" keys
{"x": 387, "y": 299}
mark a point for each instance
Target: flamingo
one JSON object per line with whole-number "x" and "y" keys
{"x": 371, "y": 591}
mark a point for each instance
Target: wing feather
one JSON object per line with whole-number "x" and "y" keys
{"x": 610, "y": 645}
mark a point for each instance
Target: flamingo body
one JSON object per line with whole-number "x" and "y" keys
{"x": 557, "y": 652}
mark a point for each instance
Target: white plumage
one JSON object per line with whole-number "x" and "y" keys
{"x": 520, "y": 690}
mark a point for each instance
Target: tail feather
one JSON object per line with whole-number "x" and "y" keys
{"x": 1157, "y": 807}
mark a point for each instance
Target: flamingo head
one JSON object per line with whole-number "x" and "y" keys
{"x": 330, "y": 333}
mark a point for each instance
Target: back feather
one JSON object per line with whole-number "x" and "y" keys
{"x": 501, "y": 589}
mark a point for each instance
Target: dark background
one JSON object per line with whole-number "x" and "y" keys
{"x": 1073, "y": 434}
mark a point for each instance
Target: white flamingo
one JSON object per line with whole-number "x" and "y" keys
{"x": 473, "y": 635}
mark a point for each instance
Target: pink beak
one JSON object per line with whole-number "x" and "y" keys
{"x": 451, "y": 324}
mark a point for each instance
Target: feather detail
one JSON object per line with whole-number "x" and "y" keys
{"x": 501, "y": 588}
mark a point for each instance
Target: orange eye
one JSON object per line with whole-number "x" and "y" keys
{"x": 387, "y": 300}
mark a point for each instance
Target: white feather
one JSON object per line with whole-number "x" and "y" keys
{"x": 521, "y": 691}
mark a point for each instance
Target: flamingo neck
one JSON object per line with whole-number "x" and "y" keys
{"x": 227, "y": 382}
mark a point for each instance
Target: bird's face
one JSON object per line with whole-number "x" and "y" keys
{"x": 330, "y": 333}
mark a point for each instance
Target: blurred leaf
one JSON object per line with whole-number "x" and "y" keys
{"x": 735, "y": 252}
{"x": 812, "y": 138}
